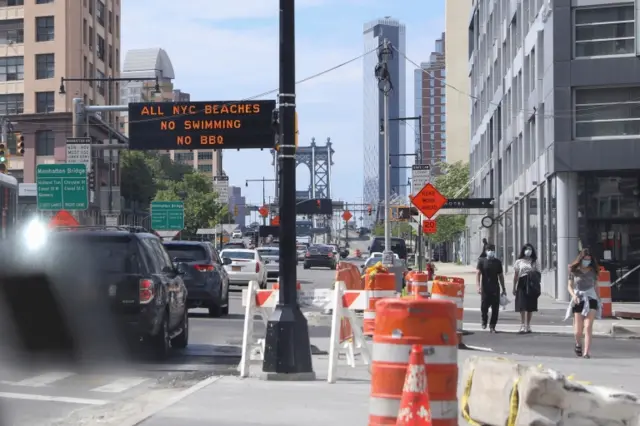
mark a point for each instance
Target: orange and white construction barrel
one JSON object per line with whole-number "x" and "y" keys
{"x": 400, "y": 324}
{"x": 378, "y": 286}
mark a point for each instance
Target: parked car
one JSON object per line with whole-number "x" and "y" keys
{"x": 320, "y": 256}
{"x": 246, "y": 265}
{"x": 374, "y": 258}
{"x": 204, "y": 275}
{"x": 146, "y": 291}
{"x": 398, "y": 246}
{"x": 271, "y": 258}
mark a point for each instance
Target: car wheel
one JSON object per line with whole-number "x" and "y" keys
{"x": 306, "y": 266}
{"x": 215, "y": 311}
{"x": 182, "y": 340}
{"x": 162, "y": 342}
{"x": 263, "y": 284}
{"x": 224, "y": 310}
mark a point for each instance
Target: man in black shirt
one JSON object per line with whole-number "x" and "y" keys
{"x": 490, "y": 280}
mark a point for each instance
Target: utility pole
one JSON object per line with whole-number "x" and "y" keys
{"x": 385, "y": 52}
{"x": 287, "y": 346}
{"x": 346, "y": 227}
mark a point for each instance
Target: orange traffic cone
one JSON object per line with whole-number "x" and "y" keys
{"x": 415, "y": 409}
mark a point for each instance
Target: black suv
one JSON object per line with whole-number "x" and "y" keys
{"x": 203, "y": 273}
{"x": 146, "y": 291}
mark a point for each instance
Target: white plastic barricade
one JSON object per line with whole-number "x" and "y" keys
{"x": 341, "y": 302}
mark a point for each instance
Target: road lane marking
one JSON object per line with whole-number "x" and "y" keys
{"x": 120, "y": 385}
{"x": 48, "y": 398}
{"x": 42, "y": 380}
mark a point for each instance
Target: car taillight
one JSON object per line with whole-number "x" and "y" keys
{"x": 204, "y": 268}
{"x": 257, "y": 268}
{"x": 307, "y": 254}
{"x": 330, "y": 254}
{"x": 146, "y": 291}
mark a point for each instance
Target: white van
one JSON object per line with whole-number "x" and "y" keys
{"x": 236, "y": 235}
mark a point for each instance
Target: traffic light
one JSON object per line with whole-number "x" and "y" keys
{"x": 3, "y": 153}
{"x": 369, "y": 209}
{"x": 92, "y": 181}
{"x": 19, "y": 143}
{"x": 318, "y": 204}
{"x": 235, "y": 210}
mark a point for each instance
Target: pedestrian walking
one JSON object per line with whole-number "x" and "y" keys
{"x": 585, "y": 302}
{"x": 490, "y": 280}
{"x": 526, "y": 286}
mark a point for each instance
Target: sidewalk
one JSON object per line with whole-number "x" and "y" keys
{"x": 620, "y": 328}
{"x": 231, "y": 401}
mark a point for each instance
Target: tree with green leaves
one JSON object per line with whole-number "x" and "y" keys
{"x": 452, "y": 183}
{"x": 138, "y": 179}
{"x": 201, "y": 209}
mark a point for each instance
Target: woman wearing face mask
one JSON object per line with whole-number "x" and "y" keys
{"x": 585, "y": 303}
{"x": 526, "y": 286}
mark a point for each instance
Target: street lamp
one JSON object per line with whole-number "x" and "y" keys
{"x": 156, "y": 88}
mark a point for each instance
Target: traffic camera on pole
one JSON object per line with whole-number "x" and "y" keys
{"x": 19, "y": 143}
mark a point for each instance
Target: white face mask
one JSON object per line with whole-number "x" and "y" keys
{"x": 491, "y": 254}
{"x": 528, "y": 252}
{"x": 586, "y": 263}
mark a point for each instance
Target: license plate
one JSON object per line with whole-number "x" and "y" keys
{"x": 236, "y": 268}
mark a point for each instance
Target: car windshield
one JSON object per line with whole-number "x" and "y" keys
{"x": 321, "y": 249}
{"x": 301, "y": 247}
{"x": 269, "y": 252}
{"x": 234, "y": 245}
{"x": 236, "y": 254}
{"x": 186, "y": 252}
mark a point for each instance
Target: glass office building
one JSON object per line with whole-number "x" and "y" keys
{"x": 373, "y": 191}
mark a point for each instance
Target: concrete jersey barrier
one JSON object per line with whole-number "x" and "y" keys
{"x": 500, "y": 392}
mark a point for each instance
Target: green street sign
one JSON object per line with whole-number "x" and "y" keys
{"x": 62, "y": 187}
{"x": 167, "y": 215}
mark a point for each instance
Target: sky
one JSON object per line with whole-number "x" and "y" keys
{"x": 228, "y": 50}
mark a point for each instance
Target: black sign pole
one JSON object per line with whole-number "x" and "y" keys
{"x": 287, "y": 346}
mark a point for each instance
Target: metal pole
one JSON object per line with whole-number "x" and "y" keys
{"x": 387, "y": 182}
{"x": 77, "y": 117}
{"x": 419, "y": 241}
{"x": 287, "y": 346}
{"x": 264, "y": 203}
{"x": 110, "y": 163}
{"x": 346, "y": 227}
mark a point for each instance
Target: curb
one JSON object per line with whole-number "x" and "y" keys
{"x": 619, "y": 331}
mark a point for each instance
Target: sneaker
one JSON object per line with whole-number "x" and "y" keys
{"x": 492, "y": 329}
{"x": 484, "y": 325}
{"x": 528, "y": 329}
{"x": 523, "y": 329}
{"x": 578, "y": 350}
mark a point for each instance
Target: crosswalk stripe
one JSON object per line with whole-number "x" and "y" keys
{"x": 33, "y": 397}
{"x": 42, "y": 379}
{"x": 120, "y": 385}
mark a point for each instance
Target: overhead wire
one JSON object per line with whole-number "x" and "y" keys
{"x": 571, "y": 113}
{"x": 174, "y": 116}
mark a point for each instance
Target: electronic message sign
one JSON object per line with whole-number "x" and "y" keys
{"x": 201, "y": 125}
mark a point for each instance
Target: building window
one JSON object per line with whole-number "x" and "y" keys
{"x": 604, "y": 31}
{"x": 117, "y": 26}
{"x": 91, "y": 74}
{"x": 91, "y": 7}
{"x": 100, "y": 12}
{"x": 110, "y": 54}
{"x": 91, "y": 37}
{"x": 100, "y": 83}
{"x": 45, "y": 142}
{"x": 12, "y": 68}
{"x": 607, "y": 112}
{"x": 43, "y": 1}
{"x": 101, "y": 48}
{"x": 45, "y": 28}
{"x": 205, "y": 155}
{"x": 110, "y": 23}
{"x": 45, "y": 66}
{"x": 45, "y": 102}
{"x": 205, "y": 168}
{"x": 4, "y": 3}
{"x": 12, "y": 104}
{"x": 12, "y": 31}
{"x": 182, "y": 157}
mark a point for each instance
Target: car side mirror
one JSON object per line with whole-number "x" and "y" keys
{"x": 181, "y": 268}
{"x": 226, "y": 261}
{"x": 409, "y": 269}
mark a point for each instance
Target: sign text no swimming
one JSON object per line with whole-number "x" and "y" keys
{"x": 201, "y": 125}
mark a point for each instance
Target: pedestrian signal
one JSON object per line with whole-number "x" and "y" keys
{"x": 3, "y": 152}
{"x": 20, "y": 143}
{"x": 369, "y": 210}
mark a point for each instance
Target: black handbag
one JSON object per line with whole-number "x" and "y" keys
{"x": 534, "y": 279}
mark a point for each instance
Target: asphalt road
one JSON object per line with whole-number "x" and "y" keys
{"x": 50, "y": 395}
{"x": 117, "y": 394}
